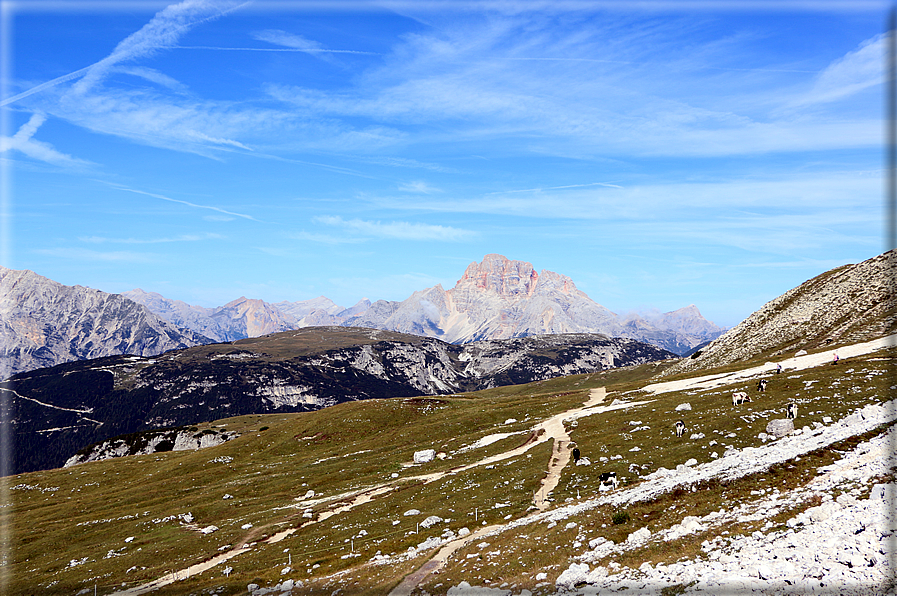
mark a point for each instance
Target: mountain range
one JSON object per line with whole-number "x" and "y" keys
{"x": 44, "y": 323}
{"x": 495, "y": 299}
{"x": 500, "y": 492}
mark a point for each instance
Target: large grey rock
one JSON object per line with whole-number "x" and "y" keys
{"x": 780, "y": 427}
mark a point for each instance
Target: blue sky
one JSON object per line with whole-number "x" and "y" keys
{"x": 660, "y": 154}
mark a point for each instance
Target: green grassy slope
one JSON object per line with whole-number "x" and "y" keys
{"x": 119, "y": 523}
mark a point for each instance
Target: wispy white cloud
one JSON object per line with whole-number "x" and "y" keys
{"x": 320, "y": 238}
{"x": 23, "y": 141}
{"x": 854, "y": 72}
{"x": 493, "y": 78}
{"x": 164, "y": 29}
{"x": 154, "y": 76}
{"x": 550, "y": 188}
{"x": 418, "y": 186}
{"x": 397, "y": 230}
{"x": 290, "y": 40}
{"x": 857, "y": 190}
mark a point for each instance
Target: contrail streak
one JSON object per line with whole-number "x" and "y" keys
{"x": 42, "y": 86}
{"x": 302, "y": 50}
{"x": 189, "y": 204}
{"x": 163, "y": 26}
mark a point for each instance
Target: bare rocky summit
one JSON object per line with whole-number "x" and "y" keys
{"x": 44, "y": 323}
{"x": 848, "y": 304}
{"x": 501, "y": 299}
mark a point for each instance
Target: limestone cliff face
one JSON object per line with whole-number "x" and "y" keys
{"x": 849, "y": 304}
{"x": 44, "y": 323}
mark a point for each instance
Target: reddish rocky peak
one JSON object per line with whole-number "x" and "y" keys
{"x": 500, "y": 275}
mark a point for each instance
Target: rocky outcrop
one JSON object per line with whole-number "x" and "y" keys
{"x": 527, "y": 359}
{"x": 153, "y": 441}
{"x": 44, "y": 323}
{"x": 849, "y": 304}
{"x": 61, "y": 409}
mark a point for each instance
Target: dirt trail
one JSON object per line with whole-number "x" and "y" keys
{"x": 560, "y": 456}
{"x": 563, "y": 445}
{"x": 550, "y": 429}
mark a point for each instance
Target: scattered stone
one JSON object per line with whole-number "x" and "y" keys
{"x": 685, "y": 406}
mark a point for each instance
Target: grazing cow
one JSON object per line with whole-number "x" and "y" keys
{"x": 575, "y": 454}
{"x": 608, "y": 481}
{"x": 761, "y": 385}
{"x": 680, "y": 428}
{"x": 792, "y": 411}
{"x": 739, "y": 397}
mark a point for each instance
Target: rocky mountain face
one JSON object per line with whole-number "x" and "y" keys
{"x": 500, "y": 299}
{"x": 59, "y": 410}
{"x": 495, "y": 299}
{"x": 849, "y": 304}
{"x": 44, "y": 323}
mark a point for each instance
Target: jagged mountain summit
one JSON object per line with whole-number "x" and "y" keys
{"x": 498, "y": 298}
{"x": 44, "y": 323}
{"x": 848, "y": 304}
{"x": 61, "y": 409}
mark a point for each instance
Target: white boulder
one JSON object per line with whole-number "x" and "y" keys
{"x": 425, "y": 456}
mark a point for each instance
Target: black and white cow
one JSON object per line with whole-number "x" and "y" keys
{"x": 608, "y": 481}
{"x": 792, "y": 411}
{"x": 761, "y": 385}
{"x": 680, "y": 428}
{"x": 739, "y": 397}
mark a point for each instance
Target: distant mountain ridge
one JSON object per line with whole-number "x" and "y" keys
{"x": 496, "y": 299}
{"x": 44, "y": 323}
